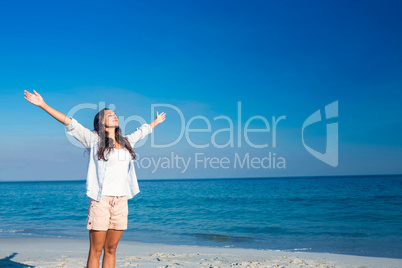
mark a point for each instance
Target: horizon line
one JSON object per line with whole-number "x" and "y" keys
{"x": 227, "y": 178}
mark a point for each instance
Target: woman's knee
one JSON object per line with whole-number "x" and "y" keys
{"x": 96, "y": 251}
{"x": 111, "y": 248}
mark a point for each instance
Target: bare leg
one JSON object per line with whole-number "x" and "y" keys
{"x": 97, "y": 241}
{"x": 109, "y": 256}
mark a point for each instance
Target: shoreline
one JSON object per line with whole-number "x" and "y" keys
{"x": 69, "y": 252}
{"x": 170, "y": 243}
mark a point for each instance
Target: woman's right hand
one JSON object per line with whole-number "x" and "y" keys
{"x": 35, "y": 99}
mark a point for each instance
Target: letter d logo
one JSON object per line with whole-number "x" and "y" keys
{"x": 331, "y": 151}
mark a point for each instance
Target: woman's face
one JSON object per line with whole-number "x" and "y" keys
{"x": 110, "y": 119}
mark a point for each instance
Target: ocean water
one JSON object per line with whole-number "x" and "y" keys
{"x": 347, "y": 215}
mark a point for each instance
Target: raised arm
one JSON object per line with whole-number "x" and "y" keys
{"x": 75, "y": 129}
{"x": 36, "y": 99}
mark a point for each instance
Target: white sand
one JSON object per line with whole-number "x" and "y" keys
{"x": 54, "y": 252}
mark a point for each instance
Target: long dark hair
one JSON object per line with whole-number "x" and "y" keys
{"x": 105, "y": 143}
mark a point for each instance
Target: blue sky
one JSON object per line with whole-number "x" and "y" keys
{"x": 277, "y": 58}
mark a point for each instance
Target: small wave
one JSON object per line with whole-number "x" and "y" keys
{"x": 11, "y": 231}
{"x": 302, "y": 249}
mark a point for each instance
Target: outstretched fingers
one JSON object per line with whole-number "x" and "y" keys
{"x": 27, "y": 95}
{"x": 35, "y": 99}
{"x": 162, "y": 116}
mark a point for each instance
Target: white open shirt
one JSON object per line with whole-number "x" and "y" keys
{"x": 96, "y": 168}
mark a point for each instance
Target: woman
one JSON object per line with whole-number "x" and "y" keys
{"x": 111, "y": 178}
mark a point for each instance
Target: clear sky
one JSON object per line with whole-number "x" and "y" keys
{"x": 199, "y": 60}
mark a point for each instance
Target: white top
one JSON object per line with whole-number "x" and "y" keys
{"x": 116, "y": 175}
{"x": 97, "y": 168}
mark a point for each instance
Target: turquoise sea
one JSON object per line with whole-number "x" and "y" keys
{"x": 358, "y": 215}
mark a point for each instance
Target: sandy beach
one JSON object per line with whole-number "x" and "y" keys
{"x": 55, "y": 252}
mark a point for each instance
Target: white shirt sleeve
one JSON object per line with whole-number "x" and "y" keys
{"x": 139, "y": 134}
{"x": 81, "y": 133}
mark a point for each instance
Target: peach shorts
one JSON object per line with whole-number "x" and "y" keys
{"x": 109, "y": 213}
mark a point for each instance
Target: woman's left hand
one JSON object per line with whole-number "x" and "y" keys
{"x": 160, "y": 117}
